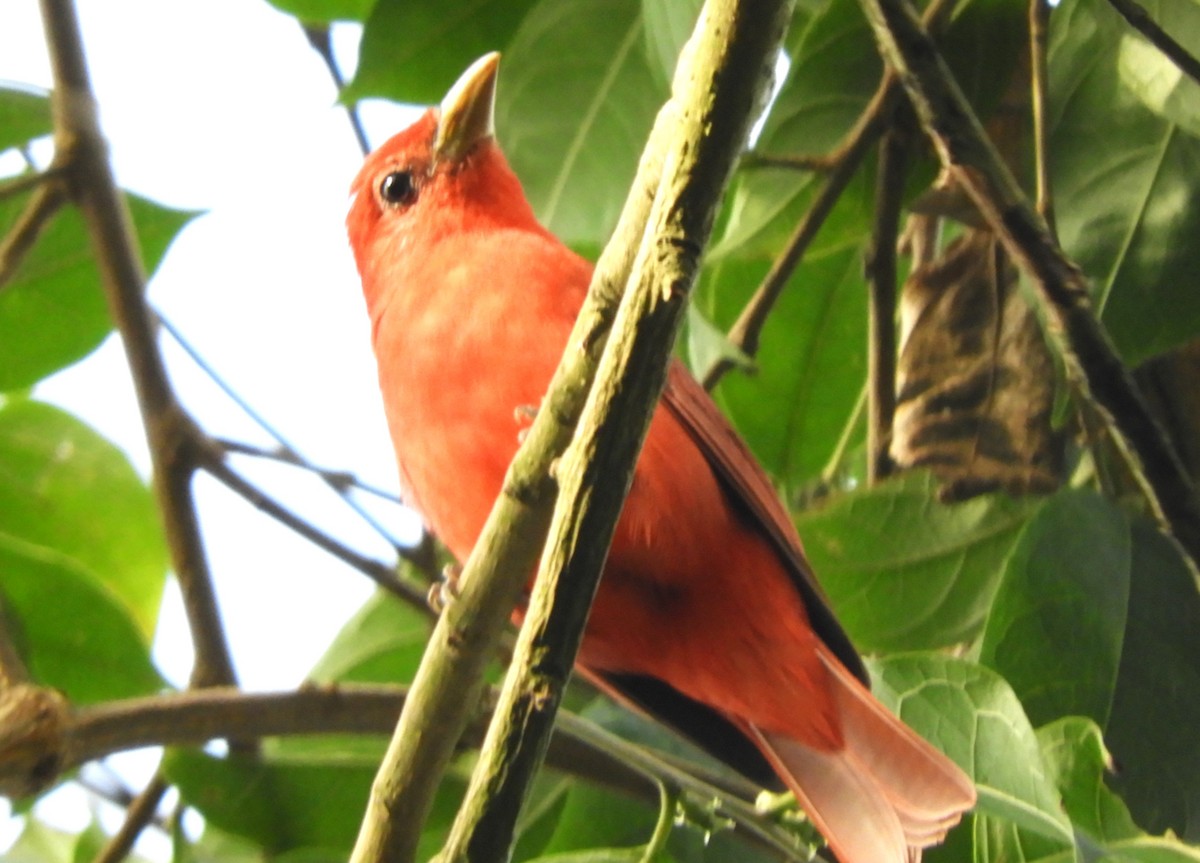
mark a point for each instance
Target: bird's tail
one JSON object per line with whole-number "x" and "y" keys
{"x": 882, "y": 798}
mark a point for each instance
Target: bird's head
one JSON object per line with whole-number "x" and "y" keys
{"x": 442, "y": 175}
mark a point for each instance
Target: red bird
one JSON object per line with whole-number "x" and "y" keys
{"x": 707, "y": 613}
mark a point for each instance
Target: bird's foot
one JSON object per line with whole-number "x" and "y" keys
{"x": 445, "y": 590}
{"x": 524, "y": 415}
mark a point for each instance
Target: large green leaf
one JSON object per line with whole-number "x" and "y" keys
{"x": 413, "y": 52}
{"x": 24, "y": 115}
{"x": 382, "y": 643}
{"x": 1058, "y": 619}
{"x": 1161, "y": 85}
{"x": 904, "y": 572}
{"x": 73, "y": 632}
{"x": 1156, "y": 709}
{"x": 811, "y": 360}
{"x": 576, "y": 101}
{"x": 64, "y": 487}
{"x": 294, "y": 804}
{"x": 972, "y": 715}
{"x": 1074, "y": 752}
{"x": 53, "y": 311}
{"x": 1126, "y": 186}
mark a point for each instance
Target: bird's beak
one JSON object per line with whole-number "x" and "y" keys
{"x": 467, "y": 113}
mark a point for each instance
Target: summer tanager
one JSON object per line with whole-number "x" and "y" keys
{"x": 707, "y": 613}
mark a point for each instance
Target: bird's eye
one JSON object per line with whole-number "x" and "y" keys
{"x": 398, "y": 188}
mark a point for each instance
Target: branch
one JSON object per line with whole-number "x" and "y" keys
{"x": 45, "y": 202}
{"x": 844, "y": 163}
{"x": 35, "y": 754}
{"x": 1139, "y": 19}
{"x": 81, "y": 152}
{"x": 881, "y": 286}
{"x": 717, "y": 84}
{"x": 383, "y": 575}
{"x": 1039, "y": 20}
{"x": 318, "y": 37}
{"x": 336, "y": 482}
{"x": 138, "y": 815}
{"x": 1060, "y": 288}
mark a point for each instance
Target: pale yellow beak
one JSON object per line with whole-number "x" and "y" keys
{"x": 467, "y": 113}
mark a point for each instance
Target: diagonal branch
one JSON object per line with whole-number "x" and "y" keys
{"x": 47, "y": 197}
{"x": 1061, "y": 290}
{"x": 840, "y": 168}
{"x": 1139, "y": 19}
{"x": 80, "y": 150}
{"x": 719, "y": 80}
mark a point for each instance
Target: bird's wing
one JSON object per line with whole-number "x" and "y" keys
{"x": 748, "y": 485}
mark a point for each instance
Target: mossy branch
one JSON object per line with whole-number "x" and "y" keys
{"x": 720, "y": 79}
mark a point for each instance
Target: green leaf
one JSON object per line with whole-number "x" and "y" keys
{"x": 1156, "y": 708}
{"x": 382, "y": 643}
{"x": 64, "y": 487}
{"x": 1126, "y": 186}
{"x": 707, "y": 345}
{"x": 72, "y": 632}
{"x": 1156, "y": 80}
{"x": 324, "y": 11}
{"x": 1058, "y": 619}
{"x": 280, "y": 806}
{"x": 972, "y": 715}
{"x": 811, "y": 361}
{"x": 309, "y": 807}
{"x": 24, "y": 115}
{"x": 413, "y": 52}
{"x": 905, "y": 572}
{"x": 41, "y": 843}
{"x": 1074, "y": 752}
{"x": 576, "y": 100}
{"x": 53, "y": 311}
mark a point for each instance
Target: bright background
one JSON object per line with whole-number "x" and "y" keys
{"x": 223, "y": 107}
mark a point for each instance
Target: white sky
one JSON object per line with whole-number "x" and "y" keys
{"x": 222, "y": 106}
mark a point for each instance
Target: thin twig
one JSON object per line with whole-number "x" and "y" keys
{"x": 1062, "y": 292}
{"x": 1139, "y": 19}
{"x": 138, "y": 815}
{"x": 338, "y": 479}
{"x": 747, "y": 330}
{"x": 881, "y": 287}
{"x": 12, "y": 186}
{"x": 292, "y": 454}
{"x": 1039, "y": 20}
{"x": 380, "y": 573}
{"x": 318, "y": 38}
{"x": 81, "y": 150}
{"x": 45, "y": 202}
{"x": 795, "y": 162}
{"x": 845, "y": 160}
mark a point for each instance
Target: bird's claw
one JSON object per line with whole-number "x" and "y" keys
{"x": 445, "y": 590}
{"x": 524, "y": 415}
